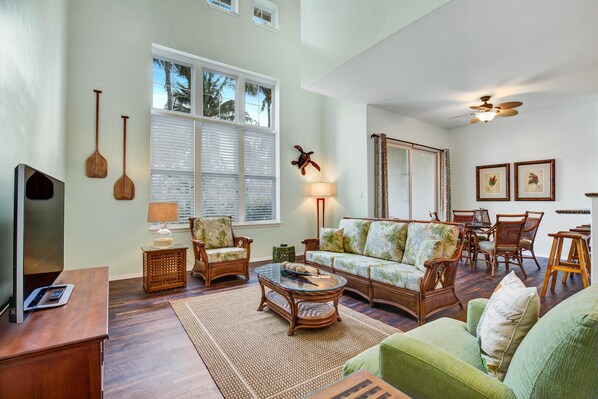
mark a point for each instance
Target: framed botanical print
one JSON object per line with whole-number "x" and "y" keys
{"x": 493, "y": 182}
{"x": 534, "y": 180}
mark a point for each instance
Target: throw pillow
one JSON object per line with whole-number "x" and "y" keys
{"x": 386, "y": 240}
{"x": 355, "y": 234}
{"x": 511, "y": 312}
{"x": 331, "y": 240}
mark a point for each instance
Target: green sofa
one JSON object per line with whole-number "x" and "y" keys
{"x": 557, "y": 359}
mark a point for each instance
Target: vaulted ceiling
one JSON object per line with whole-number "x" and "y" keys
{"x": 541, "y": 52}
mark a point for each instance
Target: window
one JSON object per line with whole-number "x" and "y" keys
{"x": 215, "y": 155}
{"x": 412, "y": 181}
{"x": 225, "y": 5}
{"x": 265, "y": 13}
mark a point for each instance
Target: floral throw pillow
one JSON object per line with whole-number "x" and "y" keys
{"x": 331, "y": 240}
{"x": 511, "y": 312}
{"x": 386, "y": 240}
{"x": 355, "y": 234}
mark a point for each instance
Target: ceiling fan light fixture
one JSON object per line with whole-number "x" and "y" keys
{"x": 486, "y": 116}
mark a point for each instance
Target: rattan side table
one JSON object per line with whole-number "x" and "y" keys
{"x": 164, "y": 268}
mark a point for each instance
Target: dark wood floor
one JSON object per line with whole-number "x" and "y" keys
{"x": 149, "y": 354}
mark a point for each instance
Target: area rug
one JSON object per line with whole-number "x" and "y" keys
{"x": 249, "y": 354}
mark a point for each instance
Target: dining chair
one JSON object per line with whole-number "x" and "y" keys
{"x": 528, "y": 237}
{"x": 506, "y": 242}
{"x": 434, "y": 216}
{"x": 466, "y": 218}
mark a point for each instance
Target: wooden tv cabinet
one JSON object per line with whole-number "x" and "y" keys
{"x": 59, "y": 352}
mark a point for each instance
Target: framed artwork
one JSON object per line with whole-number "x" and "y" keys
{"x": 493, "y": 182}
{"x": 534, "y": 180}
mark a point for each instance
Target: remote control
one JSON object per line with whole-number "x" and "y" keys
{"x": 54, "y": 296}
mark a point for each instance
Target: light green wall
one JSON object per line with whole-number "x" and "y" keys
{"x": 110, "y": 49}
{"x": 32, "y": 102}
{"x": 334, "y": 31}
{"x": 344, "y": 135}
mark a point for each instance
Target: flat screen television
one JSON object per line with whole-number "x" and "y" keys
{"x": 38, "y": 246}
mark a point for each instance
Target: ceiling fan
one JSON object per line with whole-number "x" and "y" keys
{"x": 487, "y": 111}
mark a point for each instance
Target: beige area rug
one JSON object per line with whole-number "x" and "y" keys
{"x": 249, "y": 354}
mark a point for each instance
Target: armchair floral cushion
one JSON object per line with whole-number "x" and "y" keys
{"x": 386, "y": 240}
{"x": 215, "y": 232}
{"x": 355, "y": 232}
{"x": 226, "y": 254}
{"x": 331, "y": 240}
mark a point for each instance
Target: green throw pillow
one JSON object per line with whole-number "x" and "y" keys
{"x": 331, "y": 239}
{"x": 355, "y": 234}
{"x": 511, "y": 312}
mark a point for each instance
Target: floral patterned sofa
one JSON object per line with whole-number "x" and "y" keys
{"x": 405, "y": 263}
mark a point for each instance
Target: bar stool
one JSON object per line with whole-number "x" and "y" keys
{"x": 555, "y": 264}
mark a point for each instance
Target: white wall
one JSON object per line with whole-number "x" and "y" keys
{"x": 110, "y": 49}
{"x": 567, "y": 133}
{"x": 344, "y": 135}
{"x": 33, "y": 100}
{"x": 334, "y": 31}
{"x": 399, "y": 127}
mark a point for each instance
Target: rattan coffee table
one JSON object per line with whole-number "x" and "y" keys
{"x": 304, "y": 301}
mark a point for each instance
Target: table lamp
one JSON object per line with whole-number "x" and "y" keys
{"x": 163, "y": 212}
{"x": 320, "y": 191}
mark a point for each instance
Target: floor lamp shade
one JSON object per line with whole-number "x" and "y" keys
{"x": 321, "y": 190}
{"x": 163, "y": 212}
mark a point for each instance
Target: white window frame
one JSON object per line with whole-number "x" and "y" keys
{"x": 234, "y": 7}
{"x": 270, "y": 7}
{"x": 199, "y": 65}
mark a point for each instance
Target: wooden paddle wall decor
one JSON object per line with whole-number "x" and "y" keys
{"x": 96, "y": 165}
{"x": 124, "y": 189}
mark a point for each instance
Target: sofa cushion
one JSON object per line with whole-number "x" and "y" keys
{"x": 214, "y": 232}
{"x": 399, "y": 275}
{"x": 355, "y": 232}
{"x": 358, "y": 264}
{"x": 557, "y": 358}
{"x": 386, "y": 240}
{"x": 367, "y": 360}
{"x": 224, "y": 254}
{"x": 454, "y": 339}
{"x": 511, "y": 312}
{"x": 331, "y": 239}
{"x": 420, "y": 233}
{"x": 430, "y": 249}
{"x": 322, "y": 257}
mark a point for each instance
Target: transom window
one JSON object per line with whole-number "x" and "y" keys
{"x": 265, "y": 13}
{"x": 216, "y": 155}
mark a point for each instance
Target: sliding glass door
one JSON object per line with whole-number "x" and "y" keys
{"x": 412, "y": 182}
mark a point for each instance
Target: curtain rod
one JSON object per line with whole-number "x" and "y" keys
{"x": 408, "y": 142}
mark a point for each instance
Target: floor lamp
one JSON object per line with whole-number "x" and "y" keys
{"x": 320, "y": 191}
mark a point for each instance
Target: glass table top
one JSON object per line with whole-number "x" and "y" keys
{"x": 275, "y": 273}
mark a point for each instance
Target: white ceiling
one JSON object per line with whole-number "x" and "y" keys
{"x": 541, "y": 52}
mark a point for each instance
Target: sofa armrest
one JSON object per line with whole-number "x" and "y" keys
{"x": 242, "y": 242}
{"x": 475, "y": 308}
{"x": 311, "y": 244}
{"x": 423, "y": 371}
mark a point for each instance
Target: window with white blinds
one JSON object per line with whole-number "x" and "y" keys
{"x": 172, "y": 158}
{"x": 217, "y": 166}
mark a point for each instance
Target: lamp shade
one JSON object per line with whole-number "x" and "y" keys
{"x": 321, "y": 189}
{"x": 163, "y": 212}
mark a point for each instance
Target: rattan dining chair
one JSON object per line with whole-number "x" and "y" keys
{"x": 506, "y": 242}
{"x": 528, "y": 237}
{"x": 434, "y": 216}
{"x": 466, "y": 217}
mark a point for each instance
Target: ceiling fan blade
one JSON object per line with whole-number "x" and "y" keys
{"x": 506, "y": 112}
{"x": 509, "y": 105}
{"x": 474, "y": 120}
{"x": 475, "y": 107}
{"x": 460, "y": 116}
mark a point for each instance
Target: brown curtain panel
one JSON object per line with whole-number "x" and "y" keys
{"x": 444, "y": 211}
{"x": 381, "y": 177}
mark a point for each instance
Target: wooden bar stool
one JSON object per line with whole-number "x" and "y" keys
{"x": 555, "y": 264}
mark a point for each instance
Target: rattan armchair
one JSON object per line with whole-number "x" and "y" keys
{"x": 528, "y": 237}
{"x": 212, "y": 261}
{"x": 506, "y": 243}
